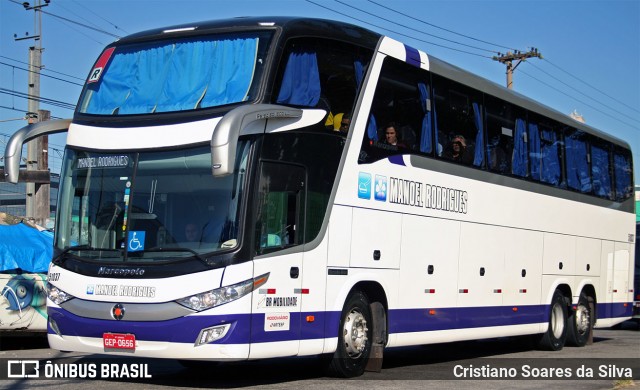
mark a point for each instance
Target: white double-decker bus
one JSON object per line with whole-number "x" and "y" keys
{"x": 263, "y": 187}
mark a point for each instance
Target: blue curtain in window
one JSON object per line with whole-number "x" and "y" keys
{"x": 622, "y": 169}
{"x": 578, "y": 175}
{"x": 175, "y": 77}
{"x": 115, "y": 86}
{"x": 478, "y": 158}
{"x": 187, "y": 76}
{"x": 359, "y": 69}
{"x": 600, "y": 172}
{"x": 425, "y": 137}
{"x": 372, "y": 128}
{"x": 519, "y": 158}
{"x": 230, "y": 80}
{"x": 550, "y": 159}
{"x": 534, "y": 151}
{"x": 149, "y": 75}
{"x": 301, "y": 80}
{"x": 439, "y": 147}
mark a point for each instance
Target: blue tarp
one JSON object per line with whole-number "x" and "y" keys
{"x": 25, "y": 248}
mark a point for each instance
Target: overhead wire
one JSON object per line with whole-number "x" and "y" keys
{"x": 499, "y": 45}
{"x": 81, "y": 24}
{"x": 44, "y": 69}
{"x": 399, "y": 33}
{"x": 40, "y": 73}
{"x": 576, "y": 99}
{"x": 581, "y": 93}
{"x": 101, "y": 17}
{"x": 52, "y": 102}
{"x": 415, "y": 29}
{"x": 591, "y": 86}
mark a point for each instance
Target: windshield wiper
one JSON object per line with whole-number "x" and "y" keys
{"x": 178, "y": 249}
{"x": 85, "y": 247}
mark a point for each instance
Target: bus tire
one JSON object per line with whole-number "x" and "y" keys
{"x": 354, "y": 338}
{"x": 580, "y": 324}
{"x": 556, "y": 335}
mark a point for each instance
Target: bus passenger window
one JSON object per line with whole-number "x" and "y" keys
{"x": 506, "y": 137}
{"x": 459, "y": 128}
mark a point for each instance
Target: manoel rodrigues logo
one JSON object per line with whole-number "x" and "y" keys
{"x": 412, "y": 193}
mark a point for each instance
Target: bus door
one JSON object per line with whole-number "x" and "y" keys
{"x": 279, "y": 233}
{"x": 616, "y": 279}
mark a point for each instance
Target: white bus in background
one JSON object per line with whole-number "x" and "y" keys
{"x": 209, "y": 209}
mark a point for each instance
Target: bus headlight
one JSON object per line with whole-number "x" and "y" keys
{"x": 56, "y": 295}
{"x": 222, "y": 295}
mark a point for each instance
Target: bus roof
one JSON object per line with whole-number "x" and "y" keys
{"x": 301, "y": 26}
{"x": 295, "y": 26}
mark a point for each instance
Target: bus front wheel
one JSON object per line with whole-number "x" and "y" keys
{"x": 556, "y": 335}
{"x": 354, "y": 338}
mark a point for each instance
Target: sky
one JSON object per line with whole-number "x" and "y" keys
{"x": 590, "y": 48}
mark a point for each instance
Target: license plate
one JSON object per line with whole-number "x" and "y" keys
{"x": 119, "y": 342}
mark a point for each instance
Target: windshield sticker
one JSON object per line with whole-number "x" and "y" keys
{"x": 97, "y": 70}
{"x": 103, "y": 162}
{"x": 136, "y": 241}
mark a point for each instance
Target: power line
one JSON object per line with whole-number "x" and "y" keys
{"x": 39, "y": 73}
{"x": 584, "y": 94}
{"x": 18, "y": 110}
{"x": 52, "y": 102}
{"x": 578, "y": 100}
{"x": 100, "y": 16}
{"x": 439, "y": 27}
{"x": 45, "y": 69}
{"x": 591, "y": 86}
{"x": 414, "y": 29}
{"x": 399, "y": 33}
{"x": 80, "y": 24}
{"x": 69, "y": 25}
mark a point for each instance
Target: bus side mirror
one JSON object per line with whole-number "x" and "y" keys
{"x": 238, "y": 122}
{"x": 13, "y": 151}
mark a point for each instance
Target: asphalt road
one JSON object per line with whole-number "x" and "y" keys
{"x": 614, "y": 355}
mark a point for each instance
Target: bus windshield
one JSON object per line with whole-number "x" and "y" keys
{"x": 176, "y": 75}
{"x": 147, "y": 206}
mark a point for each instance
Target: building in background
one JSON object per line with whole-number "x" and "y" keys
{"x": 13, "y": 198}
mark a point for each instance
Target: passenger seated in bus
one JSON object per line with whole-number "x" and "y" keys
{"x": 345, "y": 122}
{"x": 391, "y": 135}
{"x": 191, "y": 232}
{"x": 456, "y": 150}
{"x": 339, "y": 122}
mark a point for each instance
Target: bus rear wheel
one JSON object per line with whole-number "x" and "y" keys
{"x": 354, "y": 338}
{"x": 556, "y": 335}
{"x": 581, "y": 322}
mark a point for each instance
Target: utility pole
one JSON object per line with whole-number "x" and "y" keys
{"x": 518, "y": 56}
{"x": 37, "y": 197}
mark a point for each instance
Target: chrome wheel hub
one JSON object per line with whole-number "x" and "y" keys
{"x": 355, "y": 333}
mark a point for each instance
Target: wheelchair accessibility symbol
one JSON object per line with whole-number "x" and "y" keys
{"x": 136, "y": 241}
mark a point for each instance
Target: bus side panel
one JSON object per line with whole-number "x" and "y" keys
{"x": 617, "y": 305}
{"x": 523, "y": 270}
{"x": 429, "y": 265}
{"x": 481, "y": 273}
{"x": 375, "y": 238}
{"x": 339, "y": 233}
{"x": 559, "y": 254}
{"x": 588, "y": 253}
